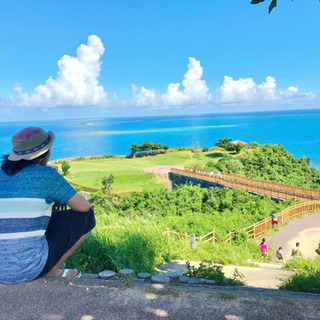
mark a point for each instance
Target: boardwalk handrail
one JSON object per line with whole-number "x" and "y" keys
{"x": 257, "y": 228}
{"x": 273, "y": 189}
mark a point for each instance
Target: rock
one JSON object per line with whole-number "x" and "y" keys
{"x": 126, "y": 273}
{"x": 197, "y": 281}
{"x": 160, "y": 279}
{"x": 184, "y": 279}
{"x": 107, "y": 275}
{"x": 144, "y": 275}
{"x": 211, "y": 282}
{"x": 90, "y": 276}
{"x": 174, "y": 276}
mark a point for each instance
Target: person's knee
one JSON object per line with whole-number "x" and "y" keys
{"x": 91, "y": 219}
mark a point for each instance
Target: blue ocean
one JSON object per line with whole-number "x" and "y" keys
{"x": 298, "y": 131}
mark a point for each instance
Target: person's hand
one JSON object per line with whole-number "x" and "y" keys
{"x": 59, "y": 206}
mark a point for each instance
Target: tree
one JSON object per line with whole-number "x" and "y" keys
{"x": 233, "y": 165}
{"x": 107, "y": 181}
{"x": 224, "y": 143}
{"x": 145, "y": 146}
{"x": 239, "y": 147}
{"x": 165, "y": 148}
{"x": 254, "y": 144}
{"x": 272, "y": 5}
{"x": 134, "y": 148}
{"x": 65, "y": 167}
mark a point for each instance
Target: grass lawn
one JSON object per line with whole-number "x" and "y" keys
{"x": 129, "y": 173}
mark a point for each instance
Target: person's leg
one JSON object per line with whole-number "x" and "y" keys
{"x": 55, "y": 271}
{"x": 66, "y": 231}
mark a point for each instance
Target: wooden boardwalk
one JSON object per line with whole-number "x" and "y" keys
{"x": 274, "y": 189}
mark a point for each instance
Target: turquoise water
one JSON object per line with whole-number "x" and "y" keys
{"x": 297, "y": 131}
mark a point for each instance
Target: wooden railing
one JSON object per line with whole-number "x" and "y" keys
{"x": 257, "y": 228}
{"x": 211, "y": 236}
{"x": 273, "y": 189}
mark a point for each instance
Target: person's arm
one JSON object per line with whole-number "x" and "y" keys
{"x": 78, "y": 203}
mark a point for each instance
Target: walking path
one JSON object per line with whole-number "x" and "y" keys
{"x": 305, "y": 230}
{"x": 267, "y": 275}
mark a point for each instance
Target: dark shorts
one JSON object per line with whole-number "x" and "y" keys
{"x": 65, "y": 229}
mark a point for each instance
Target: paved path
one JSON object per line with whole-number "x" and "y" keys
{"x": 161, "y": 169}
{"x": 305, "y": 230}
{"x": 101, "y": 300}
{"x": 268, "y": 275}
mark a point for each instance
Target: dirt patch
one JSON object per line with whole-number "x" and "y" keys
{"x": 161, "y": 169}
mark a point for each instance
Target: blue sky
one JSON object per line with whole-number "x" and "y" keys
{"x": 78, "y": 59}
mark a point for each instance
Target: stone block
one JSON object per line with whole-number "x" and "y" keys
{"x": 107, "y": 275}
{"x": 126, "y": 273}
{"x": 184, "y": 279}
{"x": 144, "y": 276}
{"x": 174, "y": 276}
{"x": 160, "y": 279}
{"x": 211, "y": 282}
{"x": 197, "y": 281}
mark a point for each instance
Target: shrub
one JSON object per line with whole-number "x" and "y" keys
{"x": 308, "y": 277}
{"x": 80, "y": 159}
{"x": 65, "y": 166}
{"x": 254, "y": 144}
{"x": 208, "y": 270}
{"x": 205, "y": 149}
{"x": 107, "y": 182}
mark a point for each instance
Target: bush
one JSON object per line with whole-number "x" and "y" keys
{"x": 254, "y": 144}
{"x": 308, "y": 277}
{"x": 65, "y": 166}
{"x": 208, "y": 270}
{"x": 205, "y": 149}
{"x": 80, "y": 159}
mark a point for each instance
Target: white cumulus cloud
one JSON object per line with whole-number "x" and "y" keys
{"x": 145, "y": 97}
{"x": 76, "y": 83}
{"x": 194, "y": 90}
{"x": 247, "y": 91}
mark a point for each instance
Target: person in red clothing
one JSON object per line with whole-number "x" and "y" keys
{"x": 274, "y": 219}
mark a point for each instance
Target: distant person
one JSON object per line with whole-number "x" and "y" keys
{"x": 279, "y": 254}
{"x": 35, "y": 240}
{"x": 296, "y": 253}
{"x": 264, "y": 249}
{"x": 274, "y": 219}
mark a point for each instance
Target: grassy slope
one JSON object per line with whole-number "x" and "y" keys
{"x": 129, "y": 173}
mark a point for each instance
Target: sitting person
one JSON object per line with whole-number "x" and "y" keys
{"x": 34, "y": 240}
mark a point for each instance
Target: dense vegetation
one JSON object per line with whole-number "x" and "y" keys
{"x": 271, "y": 162}
{"x": 307, "y": 278}
{"x": 139, "y": 243}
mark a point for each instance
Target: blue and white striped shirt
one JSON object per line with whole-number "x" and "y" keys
{"x": 25, "y": 210}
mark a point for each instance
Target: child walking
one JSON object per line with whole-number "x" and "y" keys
{"x": 264, "y": 249}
